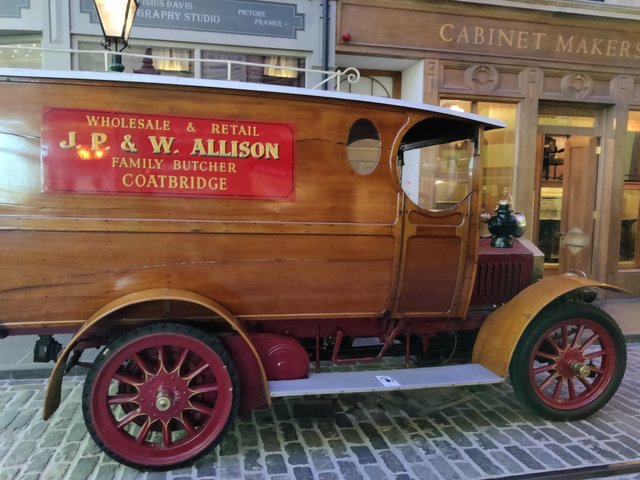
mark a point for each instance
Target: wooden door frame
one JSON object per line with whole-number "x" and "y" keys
{"x": 583, "y": 216}
{"x": 558, "y": 131}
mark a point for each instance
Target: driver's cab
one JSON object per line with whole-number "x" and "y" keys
{"x": 437, "y": 166}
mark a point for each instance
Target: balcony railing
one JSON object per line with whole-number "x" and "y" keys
{"x": 332, "y": 79}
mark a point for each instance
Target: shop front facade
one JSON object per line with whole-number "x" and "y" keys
{"x": 565, "y": 78}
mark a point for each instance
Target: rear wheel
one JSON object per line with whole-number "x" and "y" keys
{"x": 160, "y": 396}
{"x": 569, "y": 362}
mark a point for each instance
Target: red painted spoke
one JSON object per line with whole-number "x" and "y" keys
{"x": 572, "y": 389}
{"x": 544, "y": 368}
{"x": 558, "y": 390}
{"x": 188, "y": 426}
{"x": 578, "y": 336}
{"x": 549, "y": 356}
{"x": 128, "y": 418}
{"x": 191, "y": 375}
{"x": 588, "y": 386}
{"x": 551, "y": 342}
{"x": 121, "y": 398}
{"x": 199, "y": 407}
{"x": 142, "y": 365}
{"x": 142, "y": 434}
{"x": 565, "y": 336}
{"x": 590, "y": 341}
{"x": 597, "y": 370}
{"x": 548, "y": 381}
{"x": 592, "y": 355}
{"x": 166, "y": 435}
{"x": 128, "y": 379}
{"x": 207, "y": 388}
{"x": 181, "y": 360}
{"x": 161, "y": 359}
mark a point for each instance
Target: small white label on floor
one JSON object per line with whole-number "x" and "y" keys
{"x": 387, "y": 381}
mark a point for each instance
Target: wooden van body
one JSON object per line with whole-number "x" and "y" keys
{"x": 95, "y": 204}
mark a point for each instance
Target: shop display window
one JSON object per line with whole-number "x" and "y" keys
{"x": 20, "y": 52}
{"x": 629, "y": 242}
{"x": 551, "y": 192}
{"x": 498, "y": 149}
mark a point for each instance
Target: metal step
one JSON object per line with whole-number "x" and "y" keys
{"x": 385, "y": 380}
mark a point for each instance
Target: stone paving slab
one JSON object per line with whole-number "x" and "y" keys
{"x": 449, "y": 434}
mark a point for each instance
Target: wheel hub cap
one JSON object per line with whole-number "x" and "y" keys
{"x": 580, "y": 369}
{"x": 163, "y": 401}
{"x": 163, "y": 396}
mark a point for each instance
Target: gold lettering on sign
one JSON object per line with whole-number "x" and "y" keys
{"x": 599, "y": 47}
{"x": 128, "y": 122}
{"x": 173, "y": 182}
{"x": 136, "y": 162}
{"x": 491, "y": 37}
{"x": 235, "y": 149}
{"x": 161, "y": 145}
{"x": 513, "y": 39}
{"x": 234, "y": 129}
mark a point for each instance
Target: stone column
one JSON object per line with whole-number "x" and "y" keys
{"x": 524, "y": 165}
{"x": 611, "y": 180}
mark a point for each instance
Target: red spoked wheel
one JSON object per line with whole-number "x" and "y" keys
{"x": 569, "y": 362}
{"x": 160, "y": 396}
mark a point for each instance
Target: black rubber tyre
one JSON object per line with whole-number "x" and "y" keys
{"x": 160, "y": 396}
{"x": 569, "y": 361}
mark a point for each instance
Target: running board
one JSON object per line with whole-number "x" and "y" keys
{"x": 385, "y": 380}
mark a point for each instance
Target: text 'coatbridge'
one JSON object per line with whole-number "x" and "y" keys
{"x": 107, "y": 152}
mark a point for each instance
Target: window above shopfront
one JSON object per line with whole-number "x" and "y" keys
{"x": 20, "y": 52}
{"x": 271, "y": 69}
{"x": 201, "y": 63}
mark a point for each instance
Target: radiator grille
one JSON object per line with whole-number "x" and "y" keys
{"x": 500, "y": 276}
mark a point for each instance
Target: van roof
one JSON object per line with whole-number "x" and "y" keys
{"x": 488, "y": 123}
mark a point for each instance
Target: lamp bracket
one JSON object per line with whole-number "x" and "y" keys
{"x": 106, "y": 43}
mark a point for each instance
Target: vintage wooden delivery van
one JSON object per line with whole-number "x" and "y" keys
{"x": 218, "y": 239}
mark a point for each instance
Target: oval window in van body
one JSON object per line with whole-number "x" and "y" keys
{"x": 363, "y": 146}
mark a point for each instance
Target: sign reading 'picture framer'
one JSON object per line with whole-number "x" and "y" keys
{"x": 110, "y": 152}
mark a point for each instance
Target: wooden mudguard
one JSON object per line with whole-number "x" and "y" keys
{"x": 502, "y": 329}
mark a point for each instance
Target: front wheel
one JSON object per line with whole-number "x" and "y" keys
{"x": 160, "y": 396}
{"x": 569, "y": 362}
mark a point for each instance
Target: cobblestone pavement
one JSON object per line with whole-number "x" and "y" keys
{"x": 463, "y": 433}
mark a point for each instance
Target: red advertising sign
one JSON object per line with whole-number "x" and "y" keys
{"x": 111, "y": 152}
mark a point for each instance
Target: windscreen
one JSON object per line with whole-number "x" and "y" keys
{"x": 438, "y": 177}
